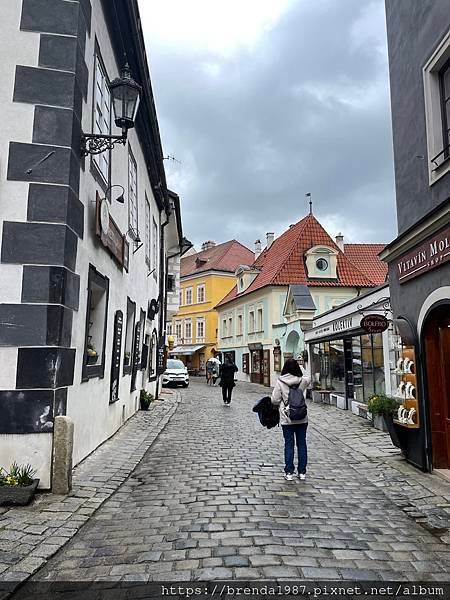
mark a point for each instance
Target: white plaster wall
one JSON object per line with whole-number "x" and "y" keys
{"x": 88, "y": 405}
{"x": 8, "y": 368}
{"x": 33, "y": 448}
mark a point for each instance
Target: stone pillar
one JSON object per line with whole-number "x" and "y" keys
{"x": 62, "y": 455}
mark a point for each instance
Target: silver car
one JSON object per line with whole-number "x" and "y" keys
{"x": 176, "y": 373}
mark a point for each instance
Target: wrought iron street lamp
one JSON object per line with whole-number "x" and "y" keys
{"x": 126, "y": 95}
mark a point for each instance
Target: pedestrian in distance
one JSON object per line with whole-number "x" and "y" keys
{"x": 227, "y": 371}
{"x": 288, "y": 395}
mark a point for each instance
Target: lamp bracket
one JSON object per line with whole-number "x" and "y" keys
{"x": 93, "y": 143}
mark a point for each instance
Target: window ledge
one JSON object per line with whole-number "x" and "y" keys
{"x": 92, "y": 372}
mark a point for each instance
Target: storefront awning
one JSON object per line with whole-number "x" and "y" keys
{"x": 186, "y": 350}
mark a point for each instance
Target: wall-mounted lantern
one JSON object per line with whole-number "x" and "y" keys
{"x": 126, "y": 95}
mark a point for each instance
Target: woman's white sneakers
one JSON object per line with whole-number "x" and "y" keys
{"x": 290, "y": 476}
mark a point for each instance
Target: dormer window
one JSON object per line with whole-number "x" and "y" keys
{"x": 245, "y": 277}
{"x": 321, "y": 262}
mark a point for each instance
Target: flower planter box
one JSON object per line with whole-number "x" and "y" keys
{"x": 91, "y": 360}
{"x": 18, "y": 495}
{"x": 379, "y": 422}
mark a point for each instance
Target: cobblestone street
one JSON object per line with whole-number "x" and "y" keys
{"x": 209, "y": 501}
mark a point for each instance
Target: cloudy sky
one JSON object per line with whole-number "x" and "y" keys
{"x": 261, "y": 101}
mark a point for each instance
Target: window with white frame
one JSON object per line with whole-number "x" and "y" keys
{"x": 436, "y": 77}
{"x": 169, "y": 328}
{"x": 154, "y": 248}
{"x": 181, "y": 297}
{"x": 132, "y": 194}
{"x": 259, "y": 319}
{"x": 187, "y": 330}
{"x": 179, "y": 330}
{"x": 230, "y": 326}
{"x": 224, "y": 328}
{"x": 240, "y": 325}
{"x": 251, "y": 321}
{"x": 201, "y": 293}
{"x": 189, "y": 295}
{"x": 200, "y": 329}
{"x": 102, "y": 115}
{"x": 147, "y": 232}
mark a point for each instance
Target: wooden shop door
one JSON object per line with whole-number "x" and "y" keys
{"x": 266, "y": 368}
{"x": 437, "y": 352}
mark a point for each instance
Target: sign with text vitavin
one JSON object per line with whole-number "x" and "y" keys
{"x": 116, "y": 353}
{"x": 429, "y": 255}
{"x": 374, "y": 323}
{"x": 110, "y": 235}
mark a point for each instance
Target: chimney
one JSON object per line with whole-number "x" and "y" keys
{"x": 257, "y": 248}
{"x": 269, "y": 238}
{"x": 340, "y": 241}
{"x": 207, "y": 245}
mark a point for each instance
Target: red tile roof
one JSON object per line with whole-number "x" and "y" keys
{"x": 283, "y": 263}
{"x": 365, "y": 258}
{"x": 223, "y": 257}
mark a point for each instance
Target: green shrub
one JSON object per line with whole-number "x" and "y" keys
{"x": 380, "y": 404}
{"x": 146, "y": 398}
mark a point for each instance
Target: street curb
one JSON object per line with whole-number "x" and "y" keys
{"x": 92, "y": 497}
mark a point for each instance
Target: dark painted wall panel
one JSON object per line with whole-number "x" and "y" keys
{"x": 39, "y": 163}
{"x": 44, "y": 86}
{"x": 28, "y": 411}
{"x": 39, "y": 243}
{"x": 414, "y": 31}
{"x": 56, "y": 204}
{"x": 58, "y": 52}
{"x": 50, "y": 16}
{"x": 35, "y": 325}
{"x": 45, "y": 368}
{"x": 53, "y": 126}
{"x": 52, "y": 285}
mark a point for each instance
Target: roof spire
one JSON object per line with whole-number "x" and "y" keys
{"x": 308, "y": 195}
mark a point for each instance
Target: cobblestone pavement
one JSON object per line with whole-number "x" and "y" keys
{"x": 208, "y": 501}
{"x": 29, "y": 535}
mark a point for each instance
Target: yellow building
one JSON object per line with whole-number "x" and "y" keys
{"x": 205, "y": 278}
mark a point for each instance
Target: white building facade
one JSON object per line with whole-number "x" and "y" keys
{"x": 84, "y": 239}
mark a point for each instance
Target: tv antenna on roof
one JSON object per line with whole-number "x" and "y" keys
{"x": 172, "y": 158}
{"x": 308, "y": 195}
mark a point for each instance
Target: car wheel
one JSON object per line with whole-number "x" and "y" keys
{"x": 185, "y": 385}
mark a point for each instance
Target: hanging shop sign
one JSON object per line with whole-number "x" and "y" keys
{"x": 276, "y": 358}
{"x": 374, "y": 323}
{"x": 116, "y": 353}
{"x": 109, "y": 233}
{"x": 432, "y": 253}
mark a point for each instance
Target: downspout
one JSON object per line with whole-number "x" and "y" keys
{"x": 162, "y": 294}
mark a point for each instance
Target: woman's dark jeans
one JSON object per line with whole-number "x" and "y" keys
{"x": 227, "y": 390}
{"x": 292, "y": 434}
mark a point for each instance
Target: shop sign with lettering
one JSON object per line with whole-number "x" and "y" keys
{"x": 429, "y": 255}
{"x": 116, "y": 353}
{"x": 110, "y": 235}
{"x": 374, "y": 323}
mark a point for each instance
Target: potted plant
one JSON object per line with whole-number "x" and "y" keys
{"x": 92, "y": 354}
{"x": 18, "y": 485}
{"x": 382, "y": 408}
{"x": 145, "y": 399}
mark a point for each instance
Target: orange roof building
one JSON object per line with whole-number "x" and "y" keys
{"x": 302, "y": 273}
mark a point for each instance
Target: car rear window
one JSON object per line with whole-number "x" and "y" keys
{"x": 174, "y": 364}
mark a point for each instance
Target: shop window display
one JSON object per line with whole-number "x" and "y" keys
{"x": 337, "y": 366}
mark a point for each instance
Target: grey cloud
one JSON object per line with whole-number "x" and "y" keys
{"x": 306, "y": 110}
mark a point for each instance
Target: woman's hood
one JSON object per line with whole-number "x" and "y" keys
{"x": 289, "y": 379}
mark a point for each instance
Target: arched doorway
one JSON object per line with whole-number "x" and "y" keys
{"x": 436, "y": 340}
{"x": 292, "y": 342}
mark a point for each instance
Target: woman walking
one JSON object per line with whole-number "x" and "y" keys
{"x": 294, "y": 431}
{"x": 227, "y": 371}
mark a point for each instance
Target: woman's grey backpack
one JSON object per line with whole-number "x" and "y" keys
{"x": 296, "y": 410}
